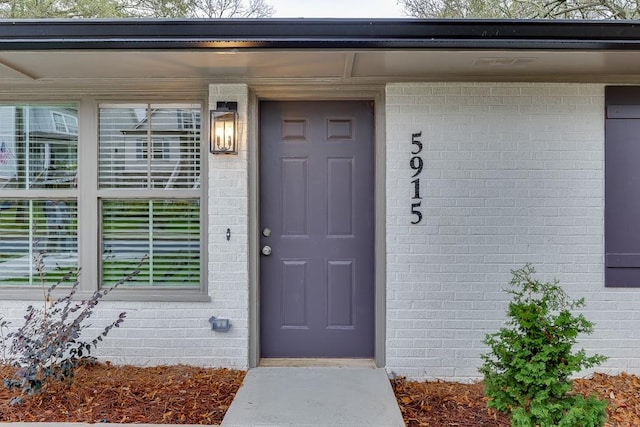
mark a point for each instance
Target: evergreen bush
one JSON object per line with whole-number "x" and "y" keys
{"x": 527, "y": 372}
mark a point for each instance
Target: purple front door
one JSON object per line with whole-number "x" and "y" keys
{"x": 317, "y": 229}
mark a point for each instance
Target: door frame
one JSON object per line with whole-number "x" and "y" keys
{"x": 314, "y": 93}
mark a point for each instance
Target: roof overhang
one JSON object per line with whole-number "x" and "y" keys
{"x": 307, "y": 50}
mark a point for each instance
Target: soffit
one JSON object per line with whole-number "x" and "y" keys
{"x": 283, "y": 66}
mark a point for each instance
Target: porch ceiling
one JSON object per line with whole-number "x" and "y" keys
{"x": 367, "y": 66}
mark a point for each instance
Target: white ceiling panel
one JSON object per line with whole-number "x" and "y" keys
{"x": 487, "y": 64}
{"x": 286, "y": 66}
{"x": 176, "y": 64}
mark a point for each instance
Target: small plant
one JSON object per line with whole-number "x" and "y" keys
{"x": 48, "y": 346}
{"x": 527, "y": 373}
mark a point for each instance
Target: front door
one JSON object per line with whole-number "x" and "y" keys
{"x": 317, "y": 229}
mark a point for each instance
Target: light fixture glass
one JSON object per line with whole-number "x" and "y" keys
{"x": 223, "y": 128}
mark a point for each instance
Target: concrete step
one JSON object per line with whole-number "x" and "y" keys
{"x": 314, "y": 396}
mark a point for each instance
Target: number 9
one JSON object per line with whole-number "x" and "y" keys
{"x": 416, "y": 164}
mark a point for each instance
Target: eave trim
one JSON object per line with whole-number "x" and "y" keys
{"x": 247, "y": 34}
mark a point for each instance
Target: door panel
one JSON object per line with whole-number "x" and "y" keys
{"x": 294, "y": 294}
{"x": 317, "y": 200}
{"x": 293, "y": 208}
{"x": 340, "y": 197}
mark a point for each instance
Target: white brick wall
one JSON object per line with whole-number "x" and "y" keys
{"x": 228, "y": 260}
{"x": 159, "y": 333}
{"x": 514, "y": 173}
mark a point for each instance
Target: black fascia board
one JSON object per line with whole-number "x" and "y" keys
{"x": 302, "y": 33}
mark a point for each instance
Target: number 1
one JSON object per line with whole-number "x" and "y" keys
{"x": 416, "y": 188}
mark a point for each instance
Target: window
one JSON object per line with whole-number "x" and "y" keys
{"x": 159, "y": 148}
{"x": 146, "y": 147}
{"x": 622, "y": 187}
{"x": 38, "y": 195}
{"x": 161, "y": 235}
{"x": 65, "y": 123}
{"x": 136, "y": 205}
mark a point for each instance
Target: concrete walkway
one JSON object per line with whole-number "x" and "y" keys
{"x": 314, "y": 396}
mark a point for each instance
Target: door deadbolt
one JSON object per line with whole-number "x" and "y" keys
{"x": 266, "y": 250}
{"x": 266, "y": 232}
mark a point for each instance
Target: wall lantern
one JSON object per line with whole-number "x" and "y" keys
{"x": 223, "y": 128}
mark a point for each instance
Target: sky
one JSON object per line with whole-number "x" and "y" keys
{"x": 336, "y": 9}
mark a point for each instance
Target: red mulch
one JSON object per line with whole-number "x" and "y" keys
{"x": 440, "y": 404}
{"x": 191, "y": 395}
{"x": 126, "y": 394}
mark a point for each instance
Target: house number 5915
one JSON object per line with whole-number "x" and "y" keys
{"x": 416, "y": 164}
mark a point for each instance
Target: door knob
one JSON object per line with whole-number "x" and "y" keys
{"x": 266, "y": 250}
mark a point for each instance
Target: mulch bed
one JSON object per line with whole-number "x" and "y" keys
{"x": 126, "y": 394}
{"x": 191, "y": 395}
{"x": 440, "y": 404}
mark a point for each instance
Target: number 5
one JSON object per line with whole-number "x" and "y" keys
{"x": 415, "y": 211}
{"x": 414, "y": 141}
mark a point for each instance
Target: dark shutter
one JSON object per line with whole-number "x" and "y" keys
{"x": 622, "y": 187}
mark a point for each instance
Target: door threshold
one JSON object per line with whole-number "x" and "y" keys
{"x": 281, "y": 362}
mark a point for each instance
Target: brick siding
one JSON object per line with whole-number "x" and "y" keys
{"x": 514, "y": 173}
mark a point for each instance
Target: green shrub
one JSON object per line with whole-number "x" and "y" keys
{"x": 527, "y": 372}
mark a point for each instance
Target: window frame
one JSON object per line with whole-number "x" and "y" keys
{"x": 88, "y": 195}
